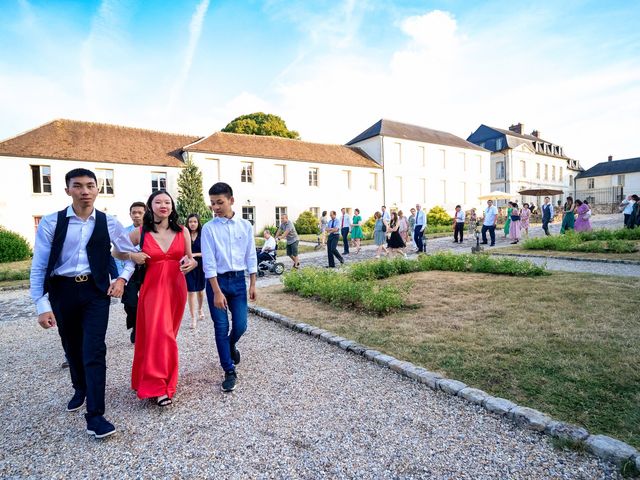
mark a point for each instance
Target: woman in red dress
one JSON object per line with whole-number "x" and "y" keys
{"x": 162, "y": 299}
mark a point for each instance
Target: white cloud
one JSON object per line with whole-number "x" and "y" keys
{"x": 195, "y": 30}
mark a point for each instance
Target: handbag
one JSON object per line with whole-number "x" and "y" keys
{"x": 515, "y": 218}
{"x": 384, "y": 227}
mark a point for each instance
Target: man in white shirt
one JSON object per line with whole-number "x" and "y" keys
{"x": 228, "y": 251}
{"x": 268, "y": 247}
{"x": 71, "y": 288}
{"x": 458, "y": 227}
{"x": 419, "y": 228}
{"x": 489, "y": 223}
{"x": 627, "y": 209}
{"x": 345, "y": 228}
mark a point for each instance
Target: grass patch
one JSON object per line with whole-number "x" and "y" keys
{"x": 518, "y": 250}
{"x": 11, "y": 272}
{"x": 598, "y": 241}
{"x": 564, "y": 344}
{"x": 356, "y": 288}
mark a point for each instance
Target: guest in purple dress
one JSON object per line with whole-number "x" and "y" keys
{"x": 582, "y": 217}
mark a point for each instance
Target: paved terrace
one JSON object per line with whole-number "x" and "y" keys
{"x": 303, "y": 409}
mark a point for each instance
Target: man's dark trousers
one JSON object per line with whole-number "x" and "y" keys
{"x": 82, "y": 314}
{"x": 492, "y": 233}
{"x": 345, "y": 239}
{"x": 332, "y": 249}
{"x": 418, "y": 235}
{"x": 459, "y": 231}
{"x": 546, "y": 218}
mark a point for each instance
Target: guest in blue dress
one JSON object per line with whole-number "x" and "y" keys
{"x": 195, "y": 278}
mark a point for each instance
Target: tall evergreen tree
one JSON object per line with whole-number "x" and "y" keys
{"x": 190, "y": 196}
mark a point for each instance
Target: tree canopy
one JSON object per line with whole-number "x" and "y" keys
{"x": 260, "y": 123}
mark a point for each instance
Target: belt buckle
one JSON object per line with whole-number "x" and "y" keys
{"x": 81, "y": 278}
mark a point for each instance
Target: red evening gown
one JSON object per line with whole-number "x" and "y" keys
{"x": 160, "y": 308}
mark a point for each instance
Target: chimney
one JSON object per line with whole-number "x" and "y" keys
{"x": 518, "y": 128}
{"x": 610, "y": 158}
{"x": 536, "y": 133}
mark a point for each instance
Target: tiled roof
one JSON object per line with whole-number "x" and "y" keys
{"x": 406, "y": 131}
{"x": 281, "y": 148}
{"x": 615, "y": 167}
{"x": 97, "y": 142}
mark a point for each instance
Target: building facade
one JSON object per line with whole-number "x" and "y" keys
{"x": 606, "y": 184}
{"x": 426, "y": 166}
{"x": 521, "y": 162}
{"x": 270, "y": 175}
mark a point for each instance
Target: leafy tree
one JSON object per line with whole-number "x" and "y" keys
{"x": 307, "y": 223}
{"x": 190, "y": 197}
{"x": 438, "y": 216}
{"x": 260, "y": 123}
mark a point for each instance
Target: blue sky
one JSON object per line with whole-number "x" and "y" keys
{"x": 570, "y": 69}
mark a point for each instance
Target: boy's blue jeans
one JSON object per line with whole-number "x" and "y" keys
{"x": 234, "y": 288}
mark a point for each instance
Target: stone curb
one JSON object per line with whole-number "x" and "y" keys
{"x": 21, "y": 286}
{"x": 573, "y": 259}
{"x": 602, "y": 446}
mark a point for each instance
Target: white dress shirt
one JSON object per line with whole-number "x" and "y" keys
{"x": 421, "y": 218}
{"x": 269, "y": 245}
{"x": 228, "y": 246}
{"x": 73, "y": 258}
{"x": 460, "y": 217}
{"x": 345, "y": 221}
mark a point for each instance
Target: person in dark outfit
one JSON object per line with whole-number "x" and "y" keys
{"x": 71, "y": 288}
{"x": 333, "y": 229}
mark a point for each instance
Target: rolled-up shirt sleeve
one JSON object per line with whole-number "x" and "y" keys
{"x": 208, "y": 246}
{"x": 120, "y": 239}
{"x": 41, "y": 252}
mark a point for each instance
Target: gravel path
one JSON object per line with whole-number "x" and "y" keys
{"x": 303, "y": 409}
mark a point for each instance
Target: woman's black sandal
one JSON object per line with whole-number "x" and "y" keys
{"x": 165, "y": 402}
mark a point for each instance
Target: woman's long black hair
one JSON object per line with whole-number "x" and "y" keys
{"x": 197, "y": 217}
{"x": 148, "y": 222}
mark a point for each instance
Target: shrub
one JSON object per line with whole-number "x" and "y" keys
{"x": 13, "y": 247}
{"x": 597, "y": 241}
{"x": 367, "y": 227}
{"x": 438, "y": 216}
{"x": 272, "y": 228}
{"x": 307, "y": 223}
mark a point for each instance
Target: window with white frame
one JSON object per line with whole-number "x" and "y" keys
{"x": 397, "y": 152}
{"x": 347, "y": 179}
{"x": 249, "y": 214}
{"x": 553, "y": 173}
{"x": 571, "y": 180}
{"x": 313, "y": 177}
{"x": 538, "y": 171}
{"x": 281, "y": 174}
{"x": 158, "y": 181}
{"x": 41, "y": 177}
{"x": 399, "y": 188}
{"x": 315, "y": 211}
{"x": 499, "y": 170}
{"x": 373, "y": 181}
{"x": 560, "y": 174}
{"x": 591, "y": 182}
{"x": 442, "y": 157}
{"x": 246, "y": 175}
{"x": 105, "y": 181}
{"x": 523, "y": 169}
{"x": 546, "y": 172}
{"x": 621, "y": 180}
{"x": 422, "y": 157}
{"x": 280, "y": 211}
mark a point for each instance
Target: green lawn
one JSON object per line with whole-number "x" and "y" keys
{"x": 565, "y": 344}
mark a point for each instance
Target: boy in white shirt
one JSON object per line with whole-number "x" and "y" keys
{"x": 228, "y": 251}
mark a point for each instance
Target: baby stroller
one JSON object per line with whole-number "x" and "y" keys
{"x": 270, "y": 265}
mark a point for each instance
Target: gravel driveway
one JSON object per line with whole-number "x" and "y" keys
{"x": 303, "y": 409}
